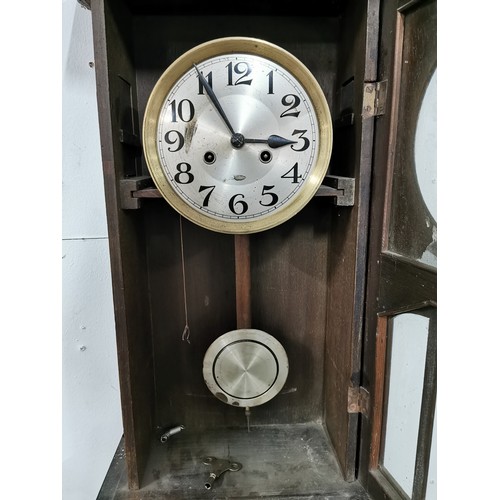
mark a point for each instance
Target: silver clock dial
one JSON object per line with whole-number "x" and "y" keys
{"x": 237, "y": 138}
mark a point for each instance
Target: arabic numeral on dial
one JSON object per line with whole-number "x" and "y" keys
{"x": 292, "y": 101}
{"x": 183, "y": 175}
{"x": 174, "y": 137}
{"x": 184, "y": 110}
{"x": 238, "y": 207}
{"x": 293, "y": 174}
{"x": 208, "y": 77}
{"x": 266, "y": 192}
{"x": 270, "y": 77}
{"x": 240, "y": 68}
{"x": 306, "y": 144}
{"x": 210, "y": 190}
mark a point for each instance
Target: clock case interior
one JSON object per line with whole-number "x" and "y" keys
{"x": 306, "y": 277}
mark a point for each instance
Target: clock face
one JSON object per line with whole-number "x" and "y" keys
{"x": 237, "y": 135}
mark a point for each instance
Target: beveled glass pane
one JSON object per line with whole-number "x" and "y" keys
{"x": 413, "y": 218}
{"x": 407, "y": 354}
{"x": 426, "y": 147}
{"x": 426, "y": 165}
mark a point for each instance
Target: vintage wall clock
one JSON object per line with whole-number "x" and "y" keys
{"x": 237, "y": 135}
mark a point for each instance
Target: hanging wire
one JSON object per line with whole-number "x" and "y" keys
{"x": 186, "y": 332}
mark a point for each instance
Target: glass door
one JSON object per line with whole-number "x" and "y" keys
{"x": 398, "y": 439}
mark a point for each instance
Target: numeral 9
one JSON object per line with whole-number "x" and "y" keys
{"x": 174, "y": 137}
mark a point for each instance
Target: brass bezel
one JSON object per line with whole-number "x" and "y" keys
{"x": 184, "y": 64}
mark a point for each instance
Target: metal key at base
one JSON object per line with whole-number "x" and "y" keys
{"x": 219, "y": 466}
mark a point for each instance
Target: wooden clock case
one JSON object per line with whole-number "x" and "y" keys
{"x": 307, "y": 277}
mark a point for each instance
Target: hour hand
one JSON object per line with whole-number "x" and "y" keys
{"x": 214, "y": 99}
{"x": 273, "y": 141}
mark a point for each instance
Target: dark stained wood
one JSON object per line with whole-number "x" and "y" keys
{"x": 223, "y": 7}
{"x": 289, "y": 271}
{"x": 151, "y": 192}
{"x": 412, "y": 228}
{"x": 391, "y": 39}
{"x": 382, "y": 179}
{"x": 289, "y": 305}
{"x": 398, "y": 290}
{"x": 243, "y": 281}
{"x": 427, "y": 412}
{"x": 349, "y": 237}
{"x": 378, "y": 481}
{"x": 395, "y": 284}
{"x": 112, "y": 29}
{"x": 190, "y": 285}
{"x": 381, "y": 488}
{"x": 178, "y": 286}
{"x": 283, "y": 462}
{"x": 131, "y": 185}
{"x": 147, "y": 193}
{"x": 377, "y": 395}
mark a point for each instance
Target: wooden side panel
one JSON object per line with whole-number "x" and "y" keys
{"x": 288, "y": 296}
{"x": 191, "y": 285}
{"x": 375, "y": 328}
{"x": 289, "y": 267}
{"x": 114, "y": 73}
{"x": 349, "y": 237}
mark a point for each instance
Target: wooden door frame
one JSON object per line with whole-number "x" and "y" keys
{"x": 384, "y": 268}
{"x": 378, "y": 481}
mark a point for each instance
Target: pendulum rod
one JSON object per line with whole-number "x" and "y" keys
{"x": 243, "y": 289}
{"x": 243, "y": 280}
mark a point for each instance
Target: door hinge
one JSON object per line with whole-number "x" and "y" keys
{"x": 358, "y": 401}
{"x": 374, "y": 99}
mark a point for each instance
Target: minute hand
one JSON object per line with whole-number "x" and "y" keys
{"x": 214, "y": 99}
{"x": 273, "y": 141}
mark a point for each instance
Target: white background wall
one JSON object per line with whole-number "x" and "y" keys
{"x": 91, "y": 415}
{"x": 59, "y": 416}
